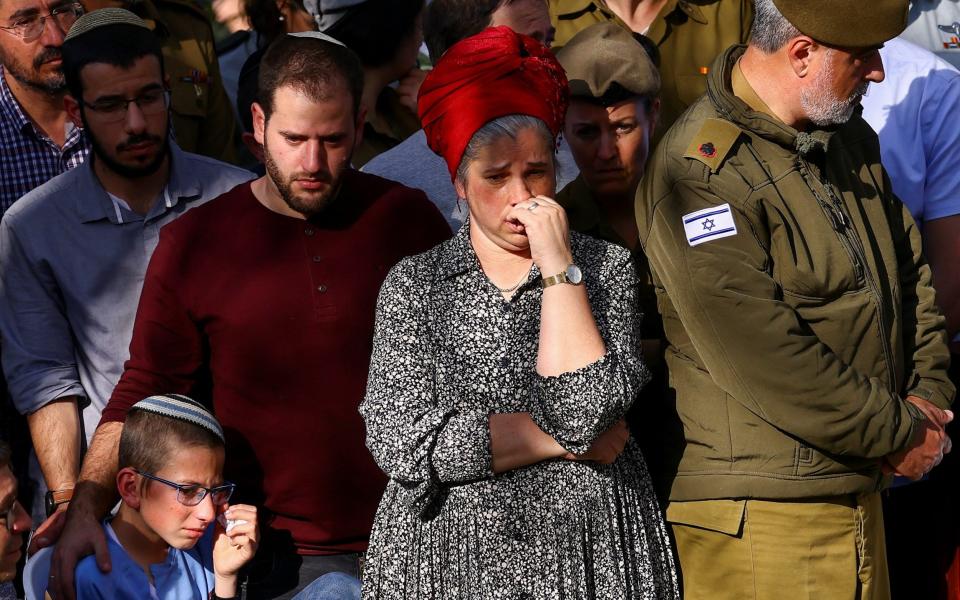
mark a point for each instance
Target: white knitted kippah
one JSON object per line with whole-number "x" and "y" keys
{"x": 183, "y": 408}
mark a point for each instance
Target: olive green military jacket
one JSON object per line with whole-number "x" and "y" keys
{"x": 797, "y": 304}
{"x": 689, "y": 34}
{"x": 200, "y": 109}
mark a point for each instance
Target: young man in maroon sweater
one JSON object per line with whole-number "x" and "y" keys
{"x": 263, "y": 301}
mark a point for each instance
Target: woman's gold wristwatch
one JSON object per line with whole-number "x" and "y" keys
{"x": 571, "y": 275}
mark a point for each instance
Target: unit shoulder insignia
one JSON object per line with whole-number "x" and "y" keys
{"x": 713, "y": 142}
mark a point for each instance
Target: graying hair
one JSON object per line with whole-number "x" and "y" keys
{"x": 508, "y": 126}
{"x": 771, "y": 30}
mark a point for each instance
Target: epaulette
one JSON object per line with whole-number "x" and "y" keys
{"x": 235, "y": 39}
{"x": 713, "y": 142}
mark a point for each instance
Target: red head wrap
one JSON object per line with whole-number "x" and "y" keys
{"x": 492, "y": 74}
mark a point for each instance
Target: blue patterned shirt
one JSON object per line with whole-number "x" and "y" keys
{"x": 28, "y": 156}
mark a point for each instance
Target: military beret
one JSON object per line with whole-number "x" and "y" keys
{"x": 605, "y": 56}
{"x": 847, "y": 23}
{"x": 102, "y": 18}
{"x": 327, "y": 12}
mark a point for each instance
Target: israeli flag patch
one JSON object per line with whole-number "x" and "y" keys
{"x": 709, "y": 224}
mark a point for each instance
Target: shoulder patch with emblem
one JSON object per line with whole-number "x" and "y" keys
{"x": 709, "y": 224}
{"x": 713, "y": 142}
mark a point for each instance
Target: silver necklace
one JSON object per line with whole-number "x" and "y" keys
{"x": 514, "y": 286}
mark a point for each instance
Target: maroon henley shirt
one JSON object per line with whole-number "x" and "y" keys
{"x": 270, "y": 319}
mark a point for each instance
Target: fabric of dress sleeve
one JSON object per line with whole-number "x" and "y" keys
{"x": 39, "y": 357}
{"x": 722, "y": 289}
{"x": 166, "y": 350}
{"x": 418, "y": 444}
{"x": 576, "y": 407}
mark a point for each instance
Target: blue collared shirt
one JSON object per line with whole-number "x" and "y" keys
{"x": 72, "y": 263}
{"x": 184, "y": 575}
{"x": 28, "y": 157}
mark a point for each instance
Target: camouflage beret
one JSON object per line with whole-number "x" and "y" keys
{"x": 604, "y": 56}
{"x": 847, "y": 23}
{"x": 102, "y": 18}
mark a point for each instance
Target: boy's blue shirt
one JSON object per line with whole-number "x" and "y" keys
{"x": 185, "y": 575}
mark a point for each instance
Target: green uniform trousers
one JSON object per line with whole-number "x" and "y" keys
{"x": 823, "y": 548}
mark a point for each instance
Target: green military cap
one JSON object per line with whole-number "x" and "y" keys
{"x": 102, "y": 18}
{"x": 605, "y": 60}
{"x": 848, "y": 23}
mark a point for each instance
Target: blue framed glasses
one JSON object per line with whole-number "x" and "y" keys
{"x": 192, "y": 494}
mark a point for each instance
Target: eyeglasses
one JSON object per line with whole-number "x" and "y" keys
{"x": 191, "y": 494}
{"x": 30, "y": 28}
{"x": 9, "y": 516}
{"x": 112, "y": 110}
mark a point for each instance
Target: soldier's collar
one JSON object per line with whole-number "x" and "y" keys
{"x": 673, "y": 13}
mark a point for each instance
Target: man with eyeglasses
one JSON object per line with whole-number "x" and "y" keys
{"x": 201, "y": 111}
{"x": 73, "y": 252}
{"x": 37, "y": 140}
{"x": 14, "y": 519}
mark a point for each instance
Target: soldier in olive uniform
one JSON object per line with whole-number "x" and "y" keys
{"x": 614, "y": 103}
{"x": 689, "y": 34}
{"x": 807, "y": 356}
{"x": 203, "y": 120}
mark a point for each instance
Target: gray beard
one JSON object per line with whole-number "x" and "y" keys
{"x": 822, "y": 107}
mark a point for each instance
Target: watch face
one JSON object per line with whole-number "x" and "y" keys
{"x": 574, "y": 275}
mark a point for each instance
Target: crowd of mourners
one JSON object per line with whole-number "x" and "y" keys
{"x": 479, "y": 299}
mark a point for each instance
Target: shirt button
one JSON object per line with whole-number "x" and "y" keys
{"x": 321, "y": 288}
{"x": 316, "y": 259}
{"x": 308, "y": 231}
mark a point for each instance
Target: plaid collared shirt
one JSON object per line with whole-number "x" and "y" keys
{"x": 28, "y": 157}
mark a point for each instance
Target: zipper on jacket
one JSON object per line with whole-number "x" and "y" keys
{"x": 874, "y": 287}
{"x": 841, "y": 224}
{"x": 850, "y": 241}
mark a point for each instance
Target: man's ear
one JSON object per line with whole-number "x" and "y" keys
{"x": 128, "y": 484}
{"x": 800, "y": 51}
{"x": 361, "y": 119}
{"x": 259, "y": 122}
{"x": 72, "y": 107}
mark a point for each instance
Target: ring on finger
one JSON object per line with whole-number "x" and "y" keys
{"x": 533, "y": 205}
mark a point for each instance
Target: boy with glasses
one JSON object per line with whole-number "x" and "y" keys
{"x": 174, "y": 535}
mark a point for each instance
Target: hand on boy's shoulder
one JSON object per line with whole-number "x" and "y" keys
{"x": 235, "y": 543}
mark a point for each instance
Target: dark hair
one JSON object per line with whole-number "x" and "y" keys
{"x": 264, "y": 17}
{"x": 148, "y": 439}
{"x": 446, "y": 22}
{"x": 118, "y": 45}
{"x": 376, "y": 28}
{"x": 311, "y": 66}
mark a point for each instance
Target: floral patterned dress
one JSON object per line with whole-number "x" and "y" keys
{"x": 449, "y": 351}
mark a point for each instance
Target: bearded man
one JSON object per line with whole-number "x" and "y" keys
{"x": 262, "y": 302}
{"x": 37, "y": 139}
{"x": 806, "y": 355}
{"x": 73, "y": 252}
